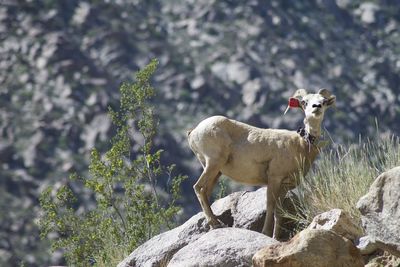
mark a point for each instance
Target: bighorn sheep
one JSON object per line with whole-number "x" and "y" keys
{"x": 257, "y": 156}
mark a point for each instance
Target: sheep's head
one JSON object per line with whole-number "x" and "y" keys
{"x": 313, "y": 105}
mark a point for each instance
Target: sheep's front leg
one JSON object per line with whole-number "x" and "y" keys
{"x": 272, "y": 195}
{"x": 278, "y": 213}
{"x": 202, "y": 188}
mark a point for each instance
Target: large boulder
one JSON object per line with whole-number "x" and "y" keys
{"x": 311, "y": 247}
{"x": 340, "y": 222}
{"x": 225, "y": 247}
{"x": 380, "y": 208}
{"x": 159, "y": 250}
{"x": 249, "y": 210}
{"x": 240, "y": 210}
{"x": 244, "y": 209}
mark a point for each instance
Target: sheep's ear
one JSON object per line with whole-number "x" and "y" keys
{"x": 293, "y": 103}
{"x": 325, "y": 92}
{"x": 295, "y": 100}
{"x": 300, "y": 93}
{"x": 330, "y": 99}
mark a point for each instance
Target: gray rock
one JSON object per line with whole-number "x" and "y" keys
{"x": 339, "y": 221}
{"x": 311, "y": 247}
{"x": 223, "y": 247}
{"x": 380, "y": 208}
{"x": 223, "y": 208}
{"x": 243, "y": 209}
{"x": 383, "y": 260}
{"x": 238, "y": 72}
{"x": 366, "y": 245}
{"x": 247, "y": 210}
{"x": 160, "y": 249}
{"x": 240, "y": 210}
{"x": 250, "y": 91}
{"x": 367, "y": 12}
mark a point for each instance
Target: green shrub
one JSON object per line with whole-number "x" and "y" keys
{"x": 341, "y": 176}
{"x": 128, "y": 209}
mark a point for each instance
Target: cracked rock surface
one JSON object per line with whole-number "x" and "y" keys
{"x": 380, "y": 209}
{"x": 245, "y": 210}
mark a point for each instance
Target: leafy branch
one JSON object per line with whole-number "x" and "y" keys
{"x": 125, "y": 212}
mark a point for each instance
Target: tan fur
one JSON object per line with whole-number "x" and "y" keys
{"x": 254, "y": 156}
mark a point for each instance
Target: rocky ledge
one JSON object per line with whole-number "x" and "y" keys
{"x": 332, "y": 239}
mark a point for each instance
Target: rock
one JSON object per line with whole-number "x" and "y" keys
{"x": 311, "y": 247}
{"x": 222, "y": 247}
{"x": 380, "y": 208}
{"x": 224, "y": 207}
{"x": 239, "y": 210}
{"x": 249, "y": 210}
{"x": 237, "y": 72}
{"x": 367, "y": 11}
{"x": 250, "y": 91}
{"x": 97, "y": 129}
{"x": 385, "y": 259}
{"x": 366, "y": 245}
{"x": 30, "y": 153}
{"x": 160, "y": 249}
{"x": 339, "y": 221}
{"x": 81, "y": 13}
{"x": 243, "y": 209}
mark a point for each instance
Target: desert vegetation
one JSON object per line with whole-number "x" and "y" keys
{"x": 125, "y": 212}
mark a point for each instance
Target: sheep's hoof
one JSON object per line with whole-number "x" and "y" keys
{"x": 215, "y": 224}
{"x": 267, "y": 232}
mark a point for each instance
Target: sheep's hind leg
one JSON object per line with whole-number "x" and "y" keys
{"x": 203, "y": 189}
{"x": 211, "y": 185}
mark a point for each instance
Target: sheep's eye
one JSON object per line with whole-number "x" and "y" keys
{"x": 304, "y": 103}
{"x": 325, "y": 102}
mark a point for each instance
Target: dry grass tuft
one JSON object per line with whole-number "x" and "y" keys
{"x": 341, "y": 176}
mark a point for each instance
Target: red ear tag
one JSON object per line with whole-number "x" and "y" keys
{"x": 294, "y": 102}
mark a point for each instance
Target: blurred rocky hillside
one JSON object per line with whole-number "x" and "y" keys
{"x": 61, "y": 63}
